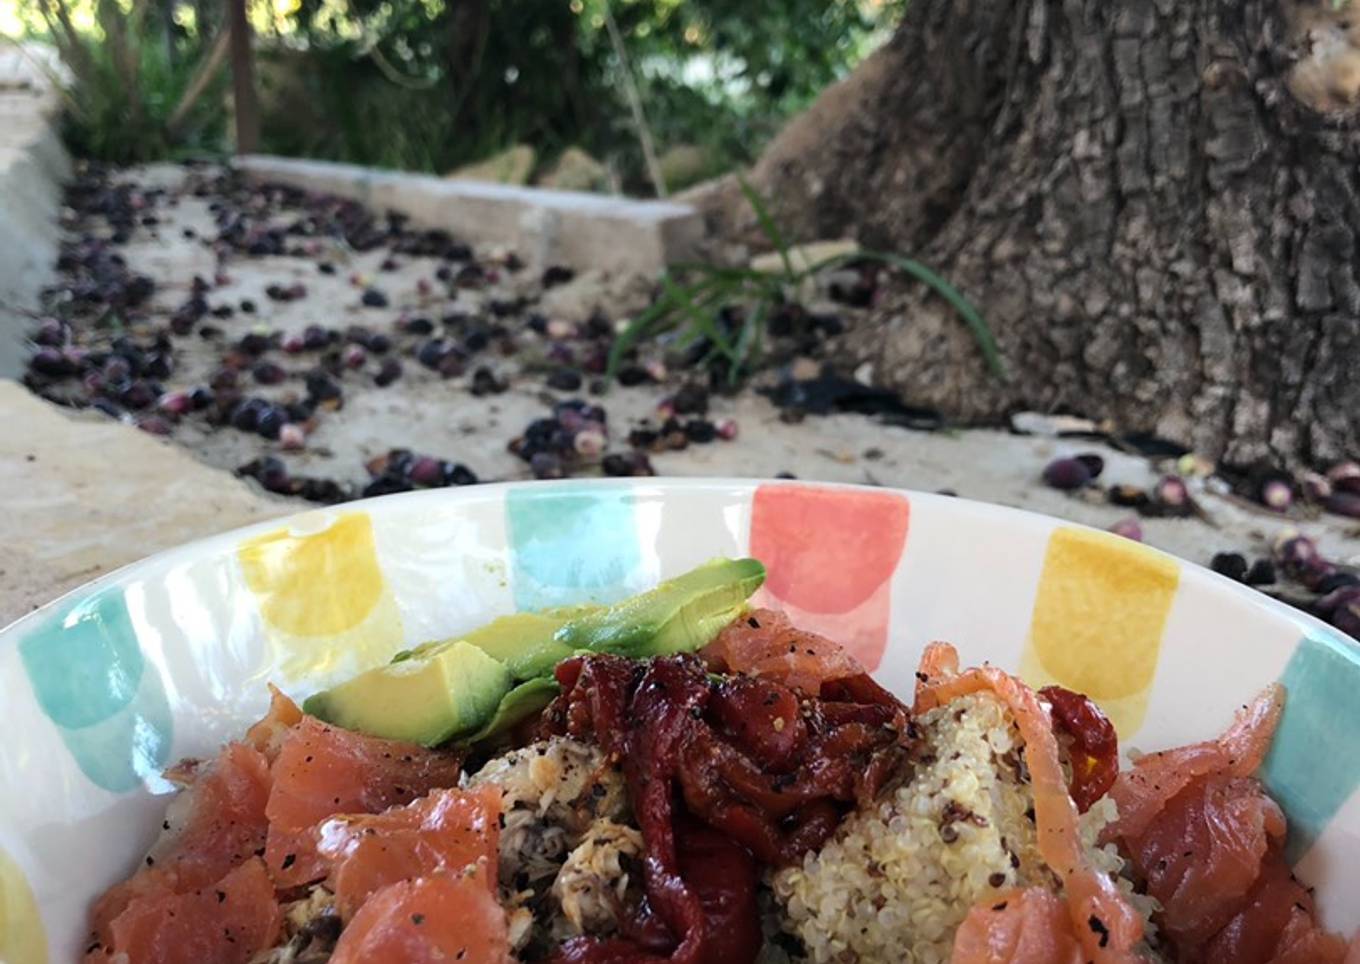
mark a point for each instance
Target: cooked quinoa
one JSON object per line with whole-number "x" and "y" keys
{"x": 897, "y": 878}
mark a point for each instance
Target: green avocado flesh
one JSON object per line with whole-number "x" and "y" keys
{"x": 520, "y": 703}
{"x": 422, "y": 699}
{"x": 680, "y": 615}
{"x": 482, "y": 683}
{"x": 522, "y": 641}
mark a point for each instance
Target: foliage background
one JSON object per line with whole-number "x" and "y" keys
{"x": 432, "y": 84}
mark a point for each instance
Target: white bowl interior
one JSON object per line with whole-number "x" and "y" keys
{"x": 169, "y": 657}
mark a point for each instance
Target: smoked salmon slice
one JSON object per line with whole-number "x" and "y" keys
{"x": 1203, "y": 852}
{"x": 1274, "y": 924}
{"x": 1029, "y": 926}
{"x": 1106, "y": 927}
{"x": 427, "y": 920}
{"x": 322, "y": 771}
{"x": 764, "y": 643}
{"x": 1207, "y": 840}
{"x": 227, "y": 922}
{"x": 446, "y": 832}
{"x": 211, "y": 827}
{"x": 268, "y": 734}
{"x": 1156, "y": 778}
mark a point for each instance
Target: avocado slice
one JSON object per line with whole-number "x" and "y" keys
{"x": 523, "y": 642}
{"x": 678, "y": 616}
{"x": 428, "y": 698}
{"x": 523, "y": 701}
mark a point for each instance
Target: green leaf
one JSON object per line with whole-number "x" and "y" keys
{"x": 748, "y": 342}
{"x": 699, "y": 318}
{"x": 636, "y": 329}
{"x": 982, "y": 332}
{"x": 767, "y": 225}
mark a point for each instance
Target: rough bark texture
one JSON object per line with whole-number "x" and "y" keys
{"x": 1139, "y": 195}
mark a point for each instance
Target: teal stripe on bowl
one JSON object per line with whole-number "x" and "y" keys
{"x": 1314, "y": 762}
{"x": 90, "y": 678}
{"x": 84, "y": 663}
{"x": 571, "y": 545}
{"x": 129, "y": 748}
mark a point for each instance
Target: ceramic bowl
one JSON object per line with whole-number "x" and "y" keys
{"x": 169, "y": 657}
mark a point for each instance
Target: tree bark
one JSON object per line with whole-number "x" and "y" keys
{"x": 243, "y": 79}
{"x": 1154, "y": 203}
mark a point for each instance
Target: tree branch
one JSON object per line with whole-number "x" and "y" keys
{"x": 203, "y": 74}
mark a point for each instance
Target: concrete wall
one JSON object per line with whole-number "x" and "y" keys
{"x": 33, "y": 165}
{"x": 543, "y": 226}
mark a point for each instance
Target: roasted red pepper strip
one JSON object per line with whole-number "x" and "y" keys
{"x": 1095, "y": 745}
{"x": 770, "y": 773}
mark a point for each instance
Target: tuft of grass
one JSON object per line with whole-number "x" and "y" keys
{"x": 691, "y": 307}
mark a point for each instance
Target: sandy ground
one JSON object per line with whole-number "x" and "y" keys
{"x": 440, "y": 417}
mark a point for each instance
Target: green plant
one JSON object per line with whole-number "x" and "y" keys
{"x": 141, "y": 87}
{"x": 692, "y": 307}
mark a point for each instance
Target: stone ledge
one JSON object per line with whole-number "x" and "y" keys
{"x": 544, "y": 226}
{"x": 33, "y": 165}
{"x": 84, "y": 495}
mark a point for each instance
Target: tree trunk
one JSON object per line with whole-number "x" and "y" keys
{"x": 1154, "y": 203}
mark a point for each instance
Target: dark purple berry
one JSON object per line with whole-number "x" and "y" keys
{"x": 691, "y": 399}
{"x": 270, "y": 421}
{"x": 432, "y": 353}
{"x": 174, "y": 403}
{"x": 1067, "y": 474}
{"x": 50, "y": 361}
{"x": 51, "y": 332}
{"x": 485, "y": 382}
{"x": 314, "y": 337}
{"x": 1345, "y": 503}
{"x": 700, "y": 430}
{"x": 1230, "y": 564}
{"x": 1345, "y": 477}
{"x": 246, "y": 415}
{"x": 1315, "y": 573}
{"x": 1094, "y": 463}
{"x": 1261, "y": 573}
{"x": 1296, "y": 552}
{"x": 556, "y": 275}
{"x": 321, "y": 387}
{"x": 138, "y": 395}
{"x": 201, "y": 397}
{"x": 373, "y": 298}
{"x": 268, "y": 373}
{"x": 458, "y": 474}
{"x": 388, "y": 373}
{"x": 1336, "y": 581}
{"x": 565, "y": 380}
{"x": 425, "y": 470}
{"x": 547, "y": 465}
{"x": 386, "y": 485}
{"x": 154, "y": 424}
{"x": 630, "y": 375}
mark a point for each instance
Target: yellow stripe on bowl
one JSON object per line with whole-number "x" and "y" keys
{"x": 22, "y": 940}
{"x": 1098, "y": 618}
